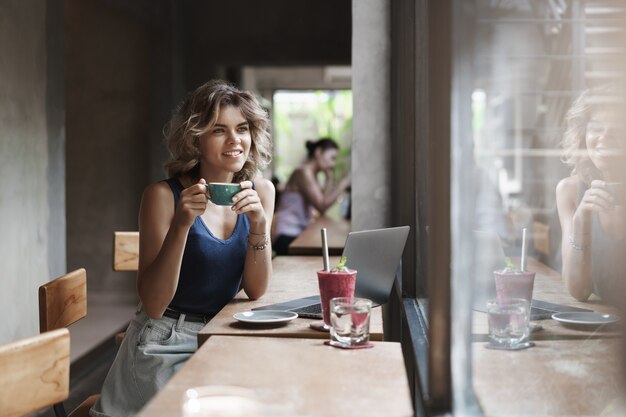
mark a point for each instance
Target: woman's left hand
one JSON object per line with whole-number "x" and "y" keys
{"x": 247, "y": 201}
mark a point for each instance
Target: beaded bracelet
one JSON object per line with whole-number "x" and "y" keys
{"x": 260, "y": 246}
{"x": 575, "y": 245}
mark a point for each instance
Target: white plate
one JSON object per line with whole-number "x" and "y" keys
{"x": 265, "y": 316}
{"x": 585, "y": 318}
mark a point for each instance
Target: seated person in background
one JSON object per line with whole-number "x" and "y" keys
{"x": 195, "y": 256}
{"x": 303, "y": 192}
{"x": 590, "y": 210}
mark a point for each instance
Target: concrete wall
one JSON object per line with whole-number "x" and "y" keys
{"x": 371, "y": 145}
{"x": 118, "y": 82}
{"x": 32, "y": 242}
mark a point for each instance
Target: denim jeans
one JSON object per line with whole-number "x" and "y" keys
{"x": 151, "y": 352}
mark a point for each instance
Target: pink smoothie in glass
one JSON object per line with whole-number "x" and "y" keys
{"x": 335, "y": 284}
{"x": 514, "y": 284}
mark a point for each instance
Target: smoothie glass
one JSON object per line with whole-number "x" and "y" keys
{"x": 512, "y": 284}
{"x": 335, "y": 284}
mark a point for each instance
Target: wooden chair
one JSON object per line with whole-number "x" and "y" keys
{"x": 125, "y": 258}
{"x": 63, "y": 301}
{"x": 34, "y": 373}
{"x": 125, "y": 251}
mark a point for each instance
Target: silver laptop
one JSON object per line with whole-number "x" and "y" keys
{"x": 375, "y": 254}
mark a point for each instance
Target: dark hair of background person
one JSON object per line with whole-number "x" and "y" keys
{"x": 323, "y": 143}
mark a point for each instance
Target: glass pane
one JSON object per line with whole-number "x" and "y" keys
{"x": 538, "y": 151}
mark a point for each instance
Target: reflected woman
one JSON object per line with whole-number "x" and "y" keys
{"x": 589, "y": 202}
{"x": 303, "y": 192}
{"x": 195, "y": 256}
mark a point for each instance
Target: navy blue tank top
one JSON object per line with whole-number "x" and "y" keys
{"x": 212, "y": 268}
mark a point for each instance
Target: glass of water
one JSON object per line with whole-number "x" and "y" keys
{"x": 509, "y": 326}
{"x": 350, "y": 321}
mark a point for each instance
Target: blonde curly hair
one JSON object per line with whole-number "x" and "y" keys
{"x": 574, "y": 139}
{"x": 198, "y": 113}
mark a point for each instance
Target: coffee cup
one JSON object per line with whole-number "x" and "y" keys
{"x": 222, "y": 193}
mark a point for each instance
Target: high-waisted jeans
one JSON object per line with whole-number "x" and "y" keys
{"x": 151, "y": 352}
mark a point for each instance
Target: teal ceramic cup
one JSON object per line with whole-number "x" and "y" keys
{"x": 221, "y": 193}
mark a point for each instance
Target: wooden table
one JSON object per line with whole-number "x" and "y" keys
{"x": 569, "y": 372}
{"x": 293, "y": 277}
{"x": 310, "y": 242}
{"x": 295, "y": 377}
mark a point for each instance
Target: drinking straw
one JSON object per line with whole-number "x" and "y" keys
{"x": 523, "y": 261}
{"x": 325, "y": 250}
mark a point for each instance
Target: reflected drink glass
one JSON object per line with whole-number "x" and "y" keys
{"x": 514, "y": 284}
{"x": 509, "y": 326}
{"x": 335, "y": 284}
{"x": 350, "y": 321}
{"x": 220, "y": 401}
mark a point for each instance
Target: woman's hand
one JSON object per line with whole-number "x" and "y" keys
{"x": 346, "y": 181}
{"x": 596, "y": 198}
{"x": 247, "y": 201}
{"x": 191, "y": 203}
{"x": 330, "y": 175}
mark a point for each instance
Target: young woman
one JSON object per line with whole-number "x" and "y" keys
{"x": 195, "y": 256}
{"x": 303, "y": 192}
{"x": 590, "y": 209}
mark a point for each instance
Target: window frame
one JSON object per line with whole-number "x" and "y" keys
{"x": 422, "y": 123}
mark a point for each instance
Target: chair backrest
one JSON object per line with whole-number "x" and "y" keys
{"x": 34, "y": 373}
{"x": 125, "y": 251}
{"x": 63, "y": 301}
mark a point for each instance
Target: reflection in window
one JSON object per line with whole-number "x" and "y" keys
{"x": 547, "y": 151}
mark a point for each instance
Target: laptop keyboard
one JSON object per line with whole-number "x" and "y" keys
{"x": 313, "y": 311}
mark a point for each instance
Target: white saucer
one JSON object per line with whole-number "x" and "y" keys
{"x": 265, "y": 316}
{"x": 585, "y": 318}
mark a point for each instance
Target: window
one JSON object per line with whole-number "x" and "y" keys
{"x": 535, "y": 119}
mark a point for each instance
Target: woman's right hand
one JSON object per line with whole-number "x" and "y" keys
{"x": 346, "y": 181}
{"x": 329, "y": 173}
{"x": 596, "y": 198}
{"x": 191, "y": 203}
